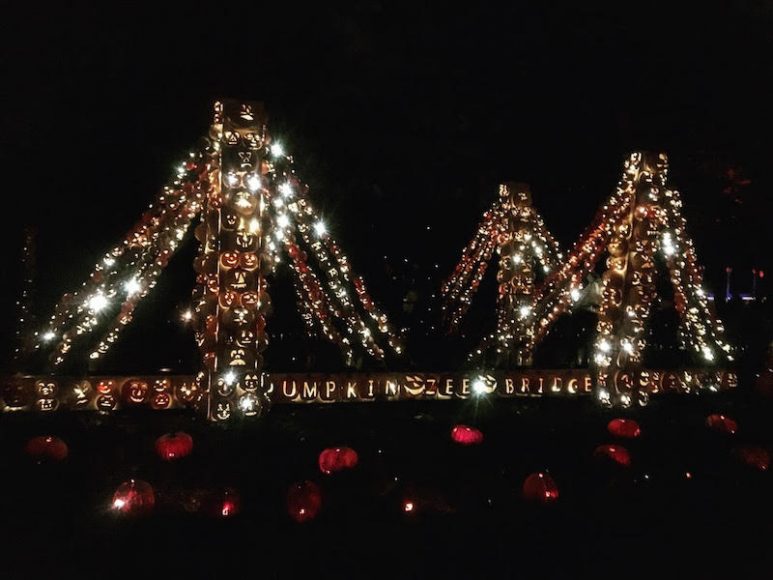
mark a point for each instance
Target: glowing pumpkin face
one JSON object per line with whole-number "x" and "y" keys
{"x": 105, "y": 387}
{"x": 227, "y": 299}
{"x": 250, "y": 299}
{"x": 136, "y": 392}
{"x": 161, "y": 401}
{"x": 249, "y": 260}
{"x": 229, "y": 259}
{"x": 245, "y": 241}
{"x": 237, "y": 279}
{"x": 106, "y": 403}
{"x": 187, "y": 392}
{"x": 223, "y": 410}
{"x": 46, "y": 388}
{"x": 251, "y": 382}
{"x": 245, "y": 338}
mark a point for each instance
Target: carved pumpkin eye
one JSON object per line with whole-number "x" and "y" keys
{"x": 245, "y": 241}
{"x": 237, "y": 279}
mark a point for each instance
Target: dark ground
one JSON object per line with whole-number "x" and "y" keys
{"x": 470, "y": 520}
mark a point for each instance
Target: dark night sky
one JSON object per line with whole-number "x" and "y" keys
{"x": 399, "y": 118}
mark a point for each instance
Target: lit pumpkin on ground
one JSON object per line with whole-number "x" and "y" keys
{"x": 304, "y": 501}
{"x": 336, "y": 459}
{"x": 173, "y": 446}
{"x": 134, "y": 498}
{"x": 753, "y": 456}
{"x": 540, "y": 487}
{"x": 466, "y": 435}
{"x": 223, "y": 503}
{"x": 722, "y": 424}
{"x": 616, "y": 454}
{"x": 46, "y": 448}
{"x": 624, "y": 428}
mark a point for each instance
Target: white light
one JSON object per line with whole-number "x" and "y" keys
{"x": 98, "y": 302}
{"x": 282, "y": 220}
{"x": 627, "y": 346}
{"x": 320, "y": 229}
{"x": 366, "y": 332}
{"x": 109, "y": 261}
{"x": 231, "y": 179}
{"x": 253, "y": 183}
{"x": 604, "y": 346}
{"x": 667, "y": 244}
{"x": 278, "y": 202}
{"x": 575, "y": 294}
{"x": 277, "y": 150}
{"x": 517, "y": 258}
{"x": 254, "y": 226}
{"x": 708, "y": 354}
{"x": 187, "y": 316}
{"x": 229, "y": 378}
{"x": 132, "y": 286}
{"x": 286, "y": 189}
{"x": 524, "y": 311}
{"x": 48, "y": 336}
{"x": 479, "y": 386}
{"x": 119, "y": 503}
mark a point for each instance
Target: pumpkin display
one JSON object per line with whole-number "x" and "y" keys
{"x": 616, "y": 454}
{"x": 541, "y": 488}
{"x": 466, "y": 435}
{"x": 304, "y": 501}
{"x": 722, "y": 424}
{"x": 134, "y": 498}
{"x": 173, "y": 446}
{"x": 624, "y": 428}
{"x": 46, "y": 448}
{"x": 336, "y": 459}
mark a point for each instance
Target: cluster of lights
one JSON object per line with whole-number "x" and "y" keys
{"x": 514, "y": 229}
{"x": 129, "y": 270}
{"x": 261, "y": 209}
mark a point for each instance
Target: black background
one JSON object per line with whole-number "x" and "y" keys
{"x": 400, "y": 116}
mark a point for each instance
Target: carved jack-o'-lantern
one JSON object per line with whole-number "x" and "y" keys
{"x": 161, "y": 385}
{"x": 106, "y": 387}
{"x": 249, "y": 261}
{"x": 80, "y": 395}
{"x": 161, "y": 400}
{"x": 237, "y": 357}
{"x": 135, "y": 392}
{"x": 223, "y": 410}
{"x": 241, "y": 317}
{"x": 106, "y": 403}
{"x": 46, "y": 389}
{"x": 187, "y": 392}
{"x": 245, "y": 203}
{"x": 236, "y": 279}
{"x": 47, "y": 404}
{"x": 245, "y": 337}
{"x": 212, "y": 284}
{"x": 229, "y": 259}
{"x": 251, "y": 382}
{"x": 227, "y": 299}
{"x": 249, "y": 299}
{"x": 337, "y": 459}
{"x": 245, "y": 241}
{"x": 225, "y": 388}
{"x": 229, "y": 220}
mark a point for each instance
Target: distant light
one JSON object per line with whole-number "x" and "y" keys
{"x": 98, "y": 302}
{"x": 604, "y": 346}
{"x": 286, "y": 189}
{"x": 253, "y": 183}
{"x": 517, "y": 258}
{"x": 320, "y": 228}
{"x": 132, "y": 286}
{"x": 282, "y": 220}
{"x": 48, "y": 336}
{"x": 408, "y": 506}
{"x": 277, "y": 150}
{"x": 708, "y": 354}
{"x": 254, "y": 226}
{"x": 187, "y": 316}
{"x": 229, "y": 378}
{"x": 627, "y": 346}
{"x": 575, "y": 294}
{"x": 524, "y": 311}
{"x": 109, "y": 261}
{"x": 278, "y": 202}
